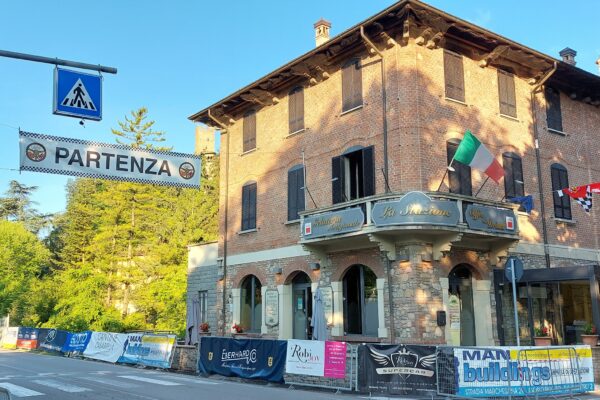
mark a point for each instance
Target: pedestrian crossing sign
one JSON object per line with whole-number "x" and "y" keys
{"x": 77, "y": 94}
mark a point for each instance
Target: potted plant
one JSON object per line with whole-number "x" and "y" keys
{"x": 590, "y": 335}
{"x": 237, "y": 329}
{"x": 542, "y": 336}
{"x": 204, "y": 327}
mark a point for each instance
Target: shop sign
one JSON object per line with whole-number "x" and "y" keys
{"x": 333, "y": 223}
{"x": 397, "y": 369}
{"x": 491, "y": 219}
{"x": 415, "y": 208}
{"x": 497, "y": 371}
{"x": 316, "y": 358}
{"x": 271, "y": 307}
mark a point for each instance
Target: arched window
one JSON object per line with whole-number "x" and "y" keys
{"x": 249, "y": 206}
{"x": 560, "y": 180}
{"x": 249, "y": 128}
{"x": 295, "y": 191}
{"x": 296, "y": 109}
{"x": 513, "y": 175}
{"x": 360, "y": 301}
{"x": 251, "y": 307}
{"x": 460, "y": 177}
{"x": 351, "y": 85}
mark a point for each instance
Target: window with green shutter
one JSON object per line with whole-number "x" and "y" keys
{"x": 560, "y": 180}
{"x": 506, "y": 94}
{"x": 513, "y": 175}
{"x": 296, "y": 109}
{"x": 295, "y": 192}
{"x": 351, "y": 85}
{"x": 249, "y": 128}
{"x": 460, "y": 178}
{"x": 249, "y": 206}
{"x": 553, "y": 111}
{"x": 454, "y": 76}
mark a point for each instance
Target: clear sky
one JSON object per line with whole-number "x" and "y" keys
{"x": 178, "y": 57}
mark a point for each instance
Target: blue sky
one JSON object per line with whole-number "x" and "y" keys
{"x": 179, "y": 56}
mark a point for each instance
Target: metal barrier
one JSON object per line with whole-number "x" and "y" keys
{"x": 481, "y": 364}
{"x": 347, "y": 384}
{"x": 549, "y": 371}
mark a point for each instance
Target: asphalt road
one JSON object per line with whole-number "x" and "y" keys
{"x": 58, "y": 378}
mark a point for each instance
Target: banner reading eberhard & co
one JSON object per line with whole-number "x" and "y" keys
{"x": 66, "y": 156}
{"x": 397, "y": 369}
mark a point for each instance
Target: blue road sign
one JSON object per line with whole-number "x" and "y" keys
{"x": 77, "y": 94}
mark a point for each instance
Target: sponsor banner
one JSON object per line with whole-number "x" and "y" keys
{"x": 335, "y": 360}
{"x": 105, "y": 346}
{"x": 397, "y": 369}
{"x": 52, "y": 339}
{"x": 316, "y": 358}
{"x": 66, "y": 156}
{"x": 27, "y": 338}
{"x": 9, "y": 339}
{"x": 77, "y": 342}
{"x": 496, "y": 371}
{"x": 149, "y": 350}
{"x": 246, "y": 358}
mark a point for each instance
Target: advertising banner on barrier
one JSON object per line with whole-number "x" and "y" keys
{"x": 150, "y": 350}
{"x": 496, "y": 371}
{"x": 52, "y": 339}
{"x": 316, "y": 358}
{"x": 76, "y": 157}
{"x": 77, "y": 342}
{"x": 105, "y": 346}
{"x": 9, "y": 340}
{"x": 246, "y": 358}
{"x": 27, "y": 338}
{"x": 397, "y": 368}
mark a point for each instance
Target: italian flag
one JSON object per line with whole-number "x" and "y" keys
{"x": 473, "y": 153}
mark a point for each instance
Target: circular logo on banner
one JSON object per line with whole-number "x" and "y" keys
{"x": 187, "y": 170}
{"x": 35, "y": 152}
{"x": 51, "y": 335}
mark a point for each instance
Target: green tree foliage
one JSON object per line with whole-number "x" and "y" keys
{"x": 22, "y": 260}
{"x": 18, "y": 206}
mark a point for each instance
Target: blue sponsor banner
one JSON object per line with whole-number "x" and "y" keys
{"x": 76, "y": 342}
{"x": 52, "y": 339}
{"x": 149, "y": 350}
{"x": 246, "y": 358}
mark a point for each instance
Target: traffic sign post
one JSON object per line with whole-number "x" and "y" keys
{"x": 77, "y": 94}
{"x": 513, "y": 270}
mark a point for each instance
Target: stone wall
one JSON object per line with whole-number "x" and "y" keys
{"x": 185, "y": 359}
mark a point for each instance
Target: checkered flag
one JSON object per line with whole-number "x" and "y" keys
{"x": 586, "y": 202}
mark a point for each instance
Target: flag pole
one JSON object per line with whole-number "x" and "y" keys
{"x": 482, "y": 185}
{"x": 306, "y": 191}
{"x": 448, "y": 168}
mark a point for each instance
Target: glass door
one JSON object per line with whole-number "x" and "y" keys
{"x": 302, "y": 306}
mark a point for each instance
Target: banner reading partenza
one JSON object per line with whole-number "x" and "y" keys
{"x": 397, "y": 369}
{"x": 66, "y": 156}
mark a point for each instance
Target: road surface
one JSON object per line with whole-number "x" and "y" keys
{"x": 48, "y": 377}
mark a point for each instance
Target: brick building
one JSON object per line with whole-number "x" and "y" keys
{"x": 334, "y": 176}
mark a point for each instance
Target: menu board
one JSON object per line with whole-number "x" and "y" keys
{"x": 271, "y": 307}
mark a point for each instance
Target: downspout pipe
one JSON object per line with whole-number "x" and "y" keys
{"x": 226, "y": 230}
{"x": 384, "y": 107}
{"x": 388, "y": 264}
{"x": 538, "y": 161}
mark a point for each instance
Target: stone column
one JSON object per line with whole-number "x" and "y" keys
{"x": 382, "y": 330}
{"x": 285, "y": 311}
{"x": 338, "y": 309}
{"x": 483, "y": 311}
{"x": 263, "y": 321}
{"x": 236, "y": 298}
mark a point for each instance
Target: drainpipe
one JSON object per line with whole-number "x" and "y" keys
{"x": 536, "y": 136}
{"x": 388, "y": 265}
{"x": 223, "y": 310}
{"x": 384, "y": 107}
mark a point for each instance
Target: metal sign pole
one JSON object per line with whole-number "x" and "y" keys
{"x": 514, "y": 291}
{"x": 57, "y": 61}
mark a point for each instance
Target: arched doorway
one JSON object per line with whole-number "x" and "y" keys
{"x": 360, "y": 301}
{"x": 251, "y": 304}
{"x": 301, "y": 306}
{"x": 460, "y": 287}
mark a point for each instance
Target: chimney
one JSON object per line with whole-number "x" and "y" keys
{"x": 568, "y": 55}
{"x": 322, "y": 31}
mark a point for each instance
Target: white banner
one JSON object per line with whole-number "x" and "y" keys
{"x": 9, "y": 338}
{"x": 106, "y": 346}
{"x": 497, "y": 371}
{"x": 66, "y": 156}
{"x": 305, "y": 357}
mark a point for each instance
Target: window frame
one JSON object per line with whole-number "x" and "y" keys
{"x": 296, "y": 109}
{"x": 296, "y": 197}
{"x": 249, "y": 131}
{"x": 559, "y": 176}
{"x": 203, "y": 306}
{"x": 454, "y": 76}
{"x": 339, "y": 181}
{"x": 512, "y": 165}
{"x": 461, "y": 171}
{"x": 352, "y": 96}
{"x": 507, "y": 100}
{"x": 363, "y": 269}
{"x": 554, "y": 120}
{"x": 255, "y": 287}
{"x": 249, "y": 206}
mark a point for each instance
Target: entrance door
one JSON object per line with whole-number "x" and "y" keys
{"x": 461, "y": 285}
{"x": 302, "y": 306}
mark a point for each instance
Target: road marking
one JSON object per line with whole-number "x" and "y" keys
{"x": 123, "y": 385}
{"x": 192, "y": 380}
{"x": 19, "y": 391}
{"x": 65, "y": 387}
{"x": 150, "y": 380}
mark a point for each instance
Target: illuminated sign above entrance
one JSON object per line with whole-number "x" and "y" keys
{"x": 415, "y": 208}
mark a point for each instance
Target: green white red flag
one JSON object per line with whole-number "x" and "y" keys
{"x": 473, "y": 153}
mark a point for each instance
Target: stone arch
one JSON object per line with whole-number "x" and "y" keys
{"x": 289, "y": 277}
{"x": 372, "y": 261}
{"x": 244, "y": 272}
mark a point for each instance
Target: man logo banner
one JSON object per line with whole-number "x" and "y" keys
{"x": 65, "y": 156}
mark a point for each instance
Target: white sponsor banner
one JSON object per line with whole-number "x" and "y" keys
{"x": 305, "y": 357}
{"x": 106, "y": 346}
{"x": 491, "y": 372}
{"x": 67, "y": 156}
{"x": 9, "y": 338}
